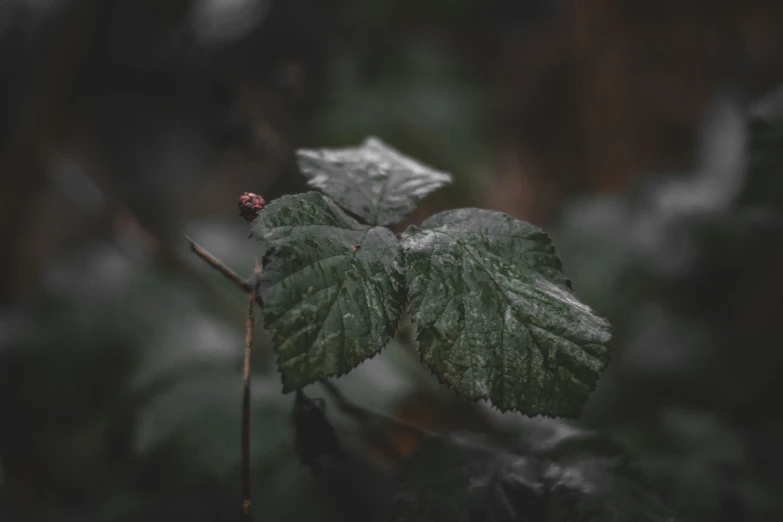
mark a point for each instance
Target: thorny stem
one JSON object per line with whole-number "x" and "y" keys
{"x": 246, "y": 393}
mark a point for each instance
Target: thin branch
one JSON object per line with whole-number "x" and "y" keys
{"x": 124, "y": 221}
{"x": 345, "y": 405}
{"x": 246, "y": 391}
{"x": 219, "y": 266}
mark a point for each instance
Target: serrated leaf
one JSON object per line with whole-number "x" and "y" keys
{"x": 495, "y": 315}
{"x": 332, "y": 288}
{"x": 372, "y": 181}
{"x": 462, "y": 478}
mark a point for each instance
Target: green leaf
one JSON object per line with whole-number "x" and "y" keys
{"x": 372, "y": 181}
{"x": 495, "y": 315}
{"x": 332, "y": 288}
{"x": 462, "y": 478}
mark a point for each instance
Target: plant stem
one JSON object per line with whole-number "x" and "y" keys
{"x": 348, "y": 407}
{"x": 246, "y": 391}
{"x": 220, "y": 267}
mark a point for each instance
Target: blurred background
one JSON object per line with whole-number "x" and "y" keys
{"x": 646, "y": 136}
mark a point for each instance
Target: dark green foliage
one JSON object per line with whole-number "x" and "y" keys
{"x": 495, "y": 314}
{"x": 372, "y": 181}
{"x": 467, "y": 479}
{"x": 332, "y": 288}
{"x": 496, "y": 317}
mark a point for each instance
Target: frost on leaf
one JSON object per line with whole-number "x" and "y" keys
{"x": 462, "y": 478}
{"x": 331, "y": 287}
{"x": 372, "y": 181}
{"x": 495, "y": 313}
